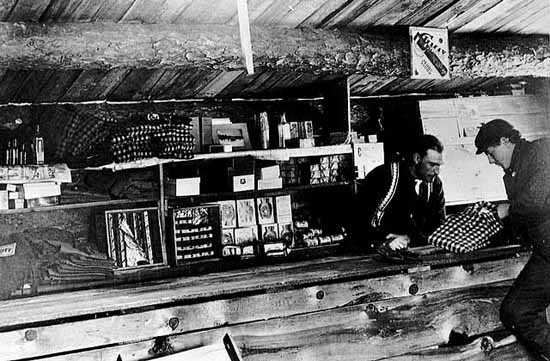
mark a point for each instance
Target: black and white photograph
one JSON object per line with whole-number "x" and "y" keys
{"x": 266, "y": 180}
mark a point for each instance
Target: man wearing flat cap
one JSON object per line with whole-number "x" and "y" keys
{"x": 526, "y": 168}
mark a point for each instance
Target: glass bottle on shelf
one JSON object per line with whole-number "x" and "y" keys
{"x": 7, "y": 154}
{"x": 14, "y": 152}
{"x": 38, "y": 146}
{"x": 23, "y": 154}
{"x": 283, "y": 131}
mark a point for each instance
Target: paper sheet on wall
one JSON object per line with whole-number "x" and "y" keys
{"x": 367, "y": 156}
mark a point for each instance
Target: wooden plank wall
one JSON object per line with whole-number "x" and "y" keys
{"x": 466, "y": 177}
{"x": 402, "y": 316}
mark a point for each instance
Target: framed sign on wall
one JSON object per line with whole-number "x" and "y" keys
{"x": 429, "y": 53}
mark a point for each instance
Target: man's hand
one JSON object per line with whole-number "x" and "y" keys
{"x": 397, "y": 241}
{"x": 502, "y": 210}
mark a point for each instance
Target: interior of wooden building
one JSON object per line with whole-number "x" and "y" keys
{"x": 208, "y": 83}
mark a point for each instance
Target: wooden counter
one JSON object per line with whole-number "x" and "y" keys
{"x": 332, "y": 308}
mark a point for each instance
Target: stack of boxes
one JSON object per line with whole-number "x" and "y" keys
{"x": 28, "y": 186}
{"x": 269, "y": 178}
{"x": 256, "y": 226}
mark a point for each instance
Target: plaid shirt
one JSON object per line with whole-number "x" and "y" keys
{"x": 468, "y": 230}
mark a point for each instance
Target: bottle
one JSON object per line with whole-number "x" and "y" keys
{"x": 283, "y": 131}
{"x": 38, "y": 145}
{"x": 23, "y": 155}
{"x": 14, "y": 152}
{"x": 7, "y": 154}
{"x": 264, "y": 131}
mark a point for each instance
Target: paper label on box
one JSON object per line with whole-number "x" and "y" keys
{"x": 270, "y": 172}
{"x": 367, "y": 156}
{"x": 269, "y": 232}
{"x": 8, "y": 250}
{"x": 41, "y": 189}
{"x": 246, "y": 212}
{"x": 247, "y": 235}
{"x": 283, "y": 208}
{"x": 228, "y": 236}
{"x": 188, "y": 186}
{"x": 271, "y": 183}
{"x": 266, "y": 210}
{"x": 243, "y": 183}
{"x": 228, "y": 210}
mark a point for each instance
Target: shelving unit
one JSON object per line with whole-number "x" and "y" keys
{"x": 267, "y": 154}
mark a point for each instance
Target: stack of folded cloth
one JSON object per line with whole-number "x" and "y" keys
{"x": 153, "y": 140}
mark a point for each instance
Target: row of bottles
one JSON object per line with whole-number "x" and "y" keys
{"x": 17, "y": 153}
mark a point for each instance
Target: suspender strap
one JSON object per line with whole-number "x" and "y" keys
{"x": 381, "y": 208}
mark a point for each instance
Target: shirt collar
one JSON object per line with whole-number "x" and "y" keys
{"x": 516, "y": 155}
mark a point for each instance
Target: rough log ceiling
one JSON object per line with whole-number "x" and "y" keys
{"x": 90, "y": 50}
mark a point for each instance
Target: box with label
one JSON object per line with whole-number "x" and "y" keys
{"x": 269, "y": 172}
{"x": 269, "y": 233}
{"x": 228, "y": 236}
{"x": 231, "y": 250}
{"x": 42, "y": 202}
{"x": 59, "y": 173}
{"x": 41, "y": 189}
{"x": 274, "y": 249}
{"x": 246, "y": 236}
{"x": 246, "y": 212}
{"x": 305, "y": 129}
{"x": 228, "y": 211}
{"x": 286, "y": 233}
{"x": 266, "y": 210}
{"x": 181, "y": 187}
{"x": 283, "y": 209}
{"x": 270, "y": 183}
{"x": 243, "y": 183}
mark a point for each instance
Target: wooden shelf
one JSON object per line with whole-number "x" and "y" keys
{"x": 268, "y": 154}
{"x": 255, "y": 193}
{"x": 113, "y": 202}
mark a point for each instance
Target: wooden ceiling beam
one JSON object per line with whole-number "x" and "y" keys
{"x": 108, "y": 45}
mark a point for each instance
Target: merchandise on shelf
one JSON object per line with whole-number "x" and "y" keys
{"x": 196, "y": 232}
{"x": 164, "y": 140}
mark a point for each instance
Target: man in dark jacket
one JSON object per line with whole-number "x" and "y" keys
{"x": 527, "y": 181}
{"x": 403, "y": 201}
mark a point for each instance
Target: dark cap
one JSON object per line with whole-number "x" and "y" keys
{"x": 490, "y": 133}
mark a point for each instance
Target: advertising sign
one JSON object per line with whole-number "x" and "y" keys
{"x": 429, "y": 53}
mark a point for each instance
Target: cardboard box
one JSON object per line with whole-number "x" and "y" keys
{"x": 243, "y": 183}
{"x": 228, "y": 251}
{"x": 41, "y": 189}
{"x": 16, "y": 203}
{"x": 283, "y": 209}
{"x": 270, "y": 172}
{"x": 271, "y": 183}
{"x": 187, "y": 186}
{"x": 42, "y": 202}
